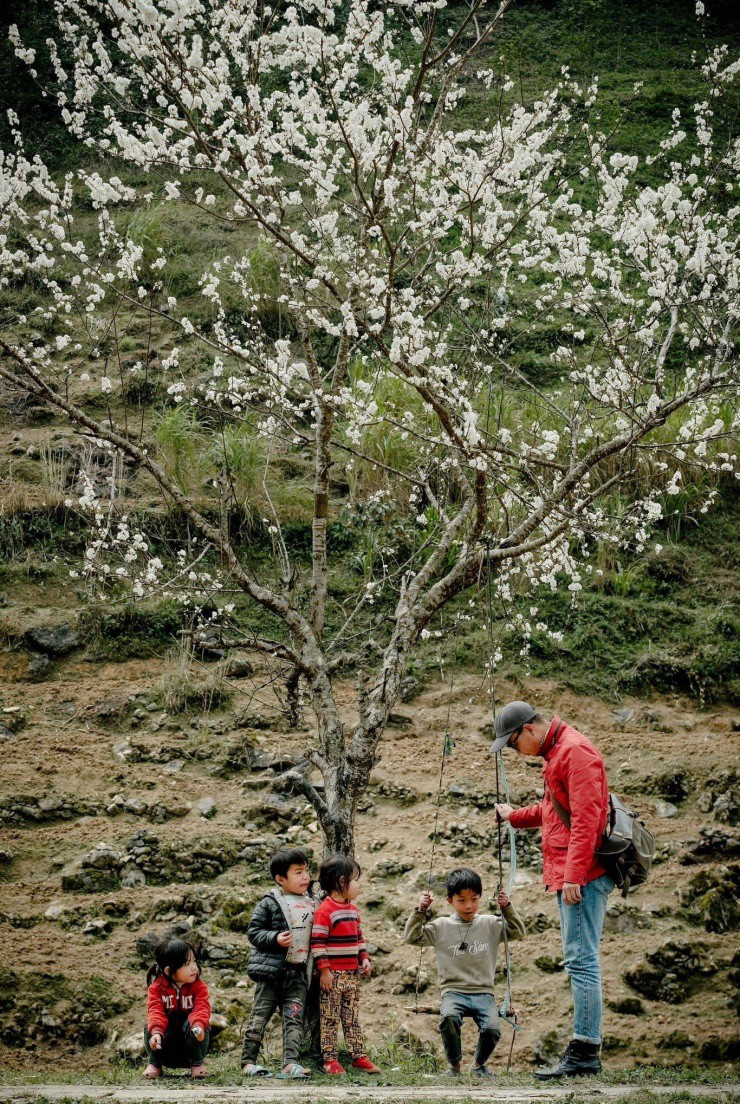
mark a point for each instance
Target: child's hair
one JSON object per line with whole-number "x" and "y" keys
{"x": 463, "y": 878}
{"x": 282, "y": 860}
{"x": 336, "y": 872}
{"x": 170, "y": 953}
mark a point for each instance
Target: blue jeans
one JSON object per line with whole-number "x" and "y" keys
{"x": 581, "y": 926}
{"x": 481, "y": 1007}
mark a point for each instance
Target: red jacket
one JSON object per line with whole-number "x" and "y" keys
{"x": 169, "y": 1006}
{"x": 574, "y": 772}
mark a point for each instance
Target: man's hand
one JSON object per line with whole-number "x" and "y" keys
{"x": 503, "y": 900}
{"x": 155, "y": 1041}
{"x": 285, "y": 939}
{"x": 198, "y": 1031}
{"x": 425, "y": 901}
{"x": 366, "y": 969}
{"x": 503, "y": 812}
{"x": 572, "y": 893}
{"x": 326, "y": 980}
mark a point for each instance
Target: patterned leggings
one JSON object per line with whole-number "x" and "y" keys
{"x": 341, "y": 1005}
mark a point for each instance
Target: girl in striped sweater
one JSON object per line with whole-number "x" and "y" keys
{"x": 341, "y": 957}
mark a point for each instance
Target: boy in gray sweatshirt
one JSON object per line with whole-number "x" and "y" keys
{"x": 466, "y": 945}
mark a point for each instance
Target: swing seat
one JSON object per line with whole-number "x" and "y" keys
{"x": 423, "y": 1009}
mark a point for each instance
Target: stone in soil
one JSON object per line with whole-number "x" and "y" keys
{"x": 673, "y": 971}
{"x": 713, "y": 898}
{"x": 55, "y": 640}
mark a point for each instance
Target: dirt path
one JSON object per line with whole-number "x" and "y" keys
{"x": 282, "y": 1094}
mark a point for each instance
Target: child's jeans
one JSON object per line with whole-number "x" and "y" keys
{"x": 180, "y": 1049}
{"x": 288, "y": 994}
{"x": 481, "y": 1007}
{"x": 341, "y": 1005}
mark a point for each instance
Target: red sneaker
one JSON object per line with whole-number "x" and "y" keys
{"x": 333, "y": 1068}
{"x": 365, "y": 1064}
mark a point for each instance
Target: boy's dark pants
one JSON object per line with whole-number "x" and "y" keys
{"x": 482, "y": 1008}
{"x": 288, "y": 994}
{"x": 180, "y": 1048}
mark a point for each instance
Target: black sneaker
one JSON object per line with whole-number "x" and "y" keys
{"x": 482, "y": 1072}
{"x": 580, "y": 1060}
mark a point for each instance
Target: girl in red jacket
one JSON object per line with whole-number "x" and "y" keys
{"x": 179, "y": 1011}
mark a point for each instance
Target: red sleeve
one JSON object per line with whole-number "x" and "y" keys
{"x": 201, "y": 1013}
{"x": 584, "y": 781}
{"x": 319, "y": 935}
{"x": 156, "y": 1017}
{"x": 531, "y": 817}
{"x": 362, "y": 953}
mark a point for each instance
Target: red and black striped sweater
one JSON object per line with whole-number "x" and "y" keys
{"x": 337, "y": 942}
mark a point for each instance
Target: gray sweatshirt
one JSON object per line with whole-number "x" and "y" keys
{"x": 466, "y": 952}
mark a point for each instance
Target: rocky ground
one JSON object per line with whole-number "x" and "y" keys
{"x": 122, "y": 819}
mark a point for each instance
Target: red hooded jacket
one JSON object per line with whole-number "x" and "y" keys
{"x": 574, "y": 772}
{"x": 169, "y": 1006}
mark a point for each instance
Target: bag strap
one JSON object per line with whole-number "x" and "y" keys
{"x": 562, "y": 812}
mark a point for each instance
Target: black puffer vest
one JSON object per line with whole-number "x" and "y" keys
{"x": 267, "y": 957}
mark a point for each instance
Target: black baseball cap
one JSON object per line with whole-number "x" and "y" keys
{"x": 509, "y": 720}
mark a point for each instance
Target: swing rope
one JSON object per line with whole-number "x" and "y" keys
{"x": 448, "y": 746}
{"x": 506, "y": 1011}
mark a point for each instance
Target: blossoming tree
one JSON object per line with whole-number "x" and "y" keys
{"x": 412, "y": 249}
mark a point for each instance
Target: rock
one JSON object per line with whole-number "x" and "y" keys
{"x": 39, "y": 667}
{"x": 174, "y": 766}
{"x": 50, "y": 804}
{"x": 713, "y": 897}
{"x": 726, "y": 808}
{"x": 236, "y": 666}
{"x": 720, "y": 1050}
{"x": 627, "y": 1006}
{"x": 458, "y": 789}
{"x": 103, "y": 857}
{"x": 136, "y": 806}
{"x": 97, "y": 927}
{"x": 676, "y": 970}
{"x": 123, "y": 751}
{"x": 56, "y": 640}
{"x": 219, "y": 1023}
{"x": 408, "y": 981}
{"x": 399, "y": 720}
{"x": 549, "y": 965}
{"x": 409, "y": 688}
{"x": 207, "y": 807}
{"x": 55, "y": 911}
{"x": 625, "y": 918}
{"x": 623, "y": 716}
{"x": 132, "y": 877}
{"x": 132, "y": 1048}
{"x": 714, "y": 845}
{"x": 13, "y": 720}
{"x": 665, "y": 810}
{"x": 548, "y": 1046}
{"x": 404, "y": 795}
{"x": 392, "y": 868}
{"x": 146, "y": 945}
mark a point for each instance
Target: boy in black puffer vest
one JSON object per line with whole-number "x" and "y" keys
{"x": 280, "y": 962}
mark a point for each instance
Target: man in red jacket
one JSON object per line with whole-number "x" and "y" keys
{"x": 572, "y": 816}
